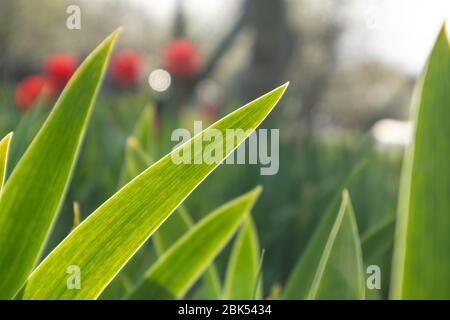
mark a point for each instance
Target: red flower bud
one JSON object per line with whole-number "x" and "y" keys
{"x": 59, "y": 68}
{"x": 182, "y": 59}
{"x": 125, "y": 68}
{"x": 27, "y": 91}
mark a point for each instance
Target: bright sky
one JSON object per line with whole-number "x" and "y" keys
{"x": 399, "y": 32}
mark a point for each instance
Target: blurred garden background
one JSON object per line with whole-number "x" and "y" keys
{"x": 352, "y": 67}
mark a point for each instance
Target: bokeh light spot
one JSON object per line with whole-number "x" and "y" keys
{"x": 159, "y": 80}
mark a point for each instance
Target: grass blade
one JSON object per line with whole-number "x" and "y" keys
{"x": 299, "y": 282}
{"x": 242, "y": 271}
{"x": 377, "y": 244}
{"x": 24, "y": 133}
{"x": 334, "y": 268}
{"x": 340, "y": 270}
{"x": 421, "y": 267}
{"x": 144, "y": 130}
{"x": 103, "y": 243}
{"x": 4, "y": 147}
{"x": 136, "y": 161}
{"x": 34, "y": 192}
{"x": 195, "y": 251}
{"x": 178, "y": 224}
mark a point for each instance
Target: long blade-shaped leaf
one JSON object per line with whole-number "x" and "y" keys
{"x": 170, "y": 232}
{"x": 35, "y": 190}
{"x": 299, "y": 283}
{"x": 242, "y": 271}
{"x": 340, "y": 270}
{"x": 4, "y": 147}
{"x": 336, "y": 272}
{"x": 136, "y": 161}
{"x": 24, "y": 133}
{"x": 104, "y": 242}
{"x": 194, "y": 252}
{"x": 376, "y": 246}
{"x": 421, "y": 267}
{"x": 145, "y": 131}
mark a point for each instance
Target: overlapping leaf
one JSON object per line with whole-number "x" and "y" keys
{"x": 4, "y": 147}
{"x": 242, "y": 271}
{"x": 332, "y": 266}
{"x": 195, "y": 251}
{"x": 104, "y": 242}
{"x": 421, "y": 267}
{"x": 300, "y": 280}
{"x": 35, "y": 190}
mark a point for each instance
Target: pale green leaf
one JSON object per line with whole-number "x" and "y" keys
{"x": 4, "y": 148}
{"x": 103, "y": 243}
{"x": 195, "y": 251}
{"x": 300, "y": 280}
{"x": 336, "y": 271}
{"x": 136, "y": 161}
{"x": 377, "y": 240}
{"x": 172, "y": 230}
{"x": 34, "y": 192}
{"x": 144, "y": 130}
{"x": 242, "y": 270}
{"x": 340, "y": 271}
{"x": 24, "y": 133}
{"x": 421, "y": 267}
{"x": 377, "y": 244}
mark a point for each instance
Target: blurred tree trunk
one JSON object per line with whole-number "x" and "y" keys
{"x": 272, "y": 49}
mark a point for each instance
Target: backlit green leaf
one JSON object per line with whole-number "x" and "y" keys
{"x": 4, "y": 147}
{"x": 334, "y": 268}
{"x": 136, "y": 161}
{"x": 144, "y": 130}
{"x": 103, "y": 243}
{"x": 421, "y": 267}
{"x": 377, "y": 244}
{"x": 24, "y": 133}
{"x": 172, "y": 230}
{"x": 34, "y": 192}
{"x": 242, "y": 270}
{"x": 300, "y": 280}
{"x": 195, "y": 251}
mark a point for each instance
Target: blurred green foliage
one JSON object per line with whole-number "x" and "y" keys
{"x": 312, "y": 167}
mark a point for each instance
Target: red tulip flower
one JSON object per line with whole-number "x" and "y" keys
{"x": 59, "y": 68}
{"x": 125, "y": 68}
{"x": 182, "y": 59}
{"x": 27, "y": 91}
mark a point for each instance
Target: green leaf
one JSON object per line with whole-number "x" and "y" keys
{"x": 377, "y": 245}
{"x": 421, "y": 267}
{"x": 4, "y": 147}
{"x": 24, "y": 133}
{"x": 172, "y": 230}
{"x": 35, "y": 190}
{"x": 299, "y": 282}
{"x": 136, "y": 161}
{"x": 104, "y": 242}
{"x": 332, "y": 266}
{"x": 195, "y": 251}
{"x": 144, "y": 130}
{"x": 377, "y": 240}
{"x": 242, "y": 271}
